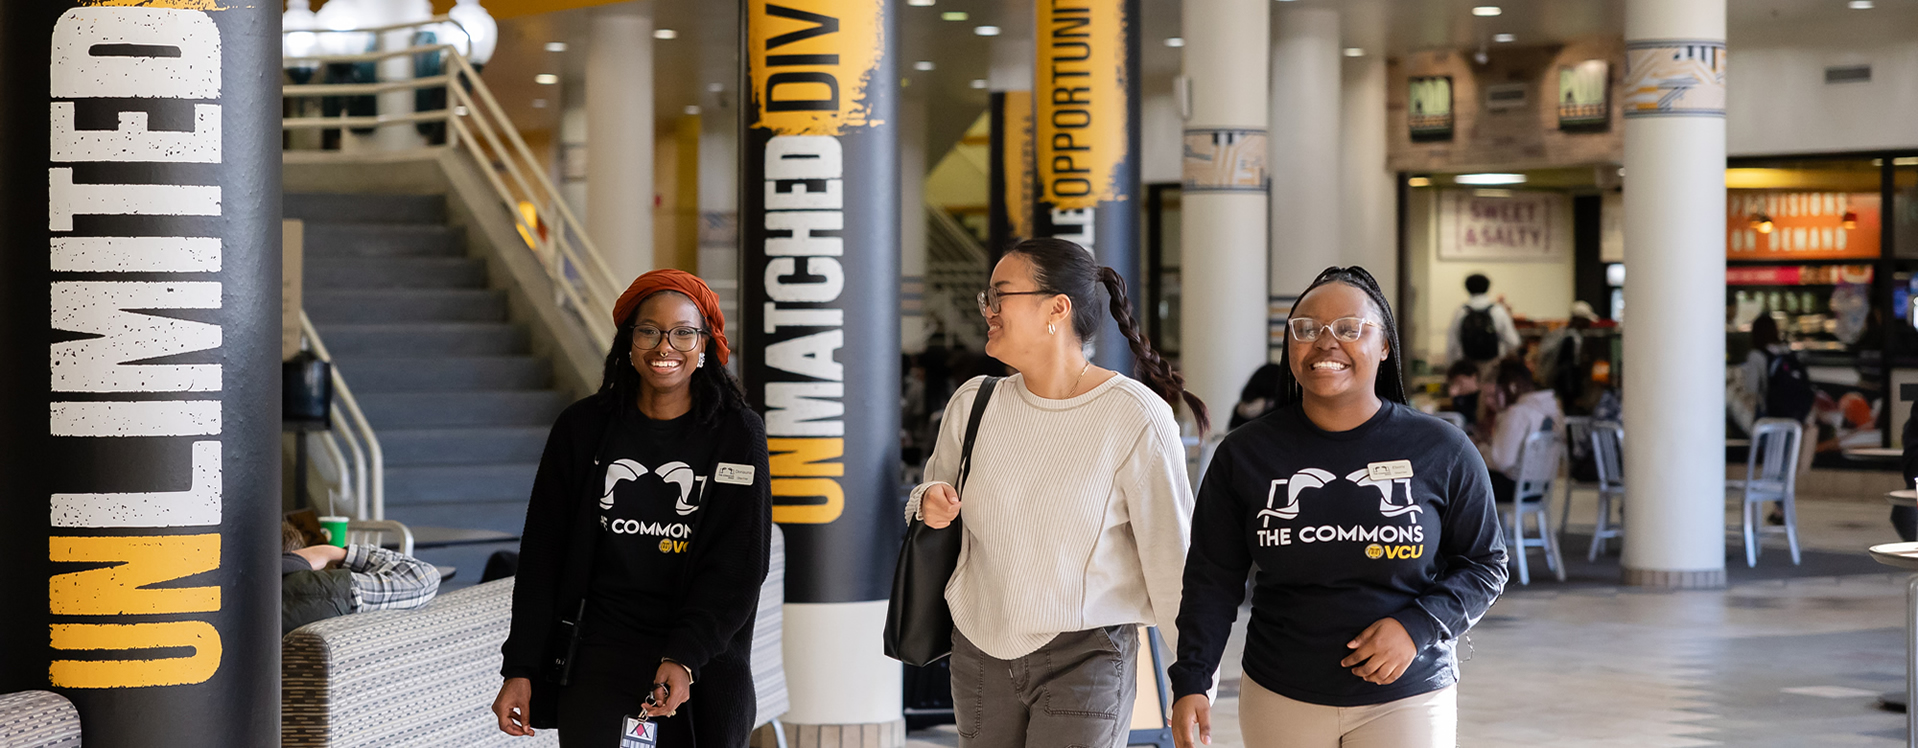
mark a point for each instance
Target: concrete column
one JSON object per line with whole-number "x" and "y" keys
{"x": 140, "y": 323}
{"x": 1223, "y": 230}
{"x": 619, "y": 137}
{"x": 397, "y": 103}
{"x": 1305, "y": 146}
{"x": 913, "y": 111}
{"x": 1368, "y": 231}
{"x": 1675, "y": 256}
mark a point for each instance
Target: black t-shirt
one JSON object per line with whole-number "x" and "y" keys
{"x": 1393, "y": 518}
{"x": 651, "y": 499}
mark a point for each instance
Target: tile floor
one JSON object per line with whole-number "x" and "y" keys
{"x": 1792, "y": 662}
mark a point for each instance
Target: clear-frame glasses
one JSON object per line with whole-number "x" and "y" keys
{"x": 1344, "y": 329}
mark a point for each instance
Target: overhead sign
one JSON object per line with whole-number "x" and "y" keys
{"x": 1785, "y": 225}
{"x": 1503, "y": 225}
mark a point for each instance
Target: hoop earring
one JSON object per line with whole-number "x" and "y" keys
{"x": 1050, "y": 330}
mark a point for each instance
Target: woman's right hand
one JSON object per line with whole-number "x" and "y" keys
{"x": 1188, "y": 712}
{"x": 513, "y": 707}
{"x": 939, "y": 506}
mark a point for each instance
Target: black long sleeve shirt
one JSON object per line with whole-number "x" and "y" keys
{"x": 1391, "y": 519}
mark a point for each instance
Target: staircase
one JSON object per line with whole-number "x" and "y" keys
{"x": 461, "y": 407}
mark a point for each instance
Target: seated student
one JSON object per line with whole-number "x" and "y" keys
{"x": 1259, "y": 397}
{"x": 1522, "y": 409}
{"x": 1461, "y": 385}
{"x": 323, "y": 581}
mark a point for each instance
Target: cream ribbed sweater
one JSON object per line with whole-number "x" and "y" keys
{"x": 1077, "y": 513}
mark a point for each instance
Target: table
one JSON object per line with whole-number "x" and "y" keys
{"x": 446, "y": 537}
{"x": 1875, "y": 454}
{"x": 1902, "y": 497}
{"x": 1905, "y": 556}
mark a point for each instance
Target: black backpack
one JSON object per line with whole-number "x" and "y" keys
{"x": 1788, "y": 391}
{"x": 1478, "y": 335}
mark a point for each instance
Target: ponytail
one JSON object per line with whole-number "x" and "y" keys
{"x": 1148, "y": 365}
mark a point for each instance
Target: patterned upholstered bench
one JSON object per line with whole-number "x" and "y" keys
{"x": 427, "y": 677}
{"x": 38, "y": 719}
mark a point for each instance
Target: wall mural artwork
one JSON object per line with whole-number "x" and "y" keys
{"x": 1584, "y": 96}
{"x": 1429, "y": 108}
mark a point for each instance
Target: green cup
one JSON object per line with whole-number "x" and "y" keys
{"x": 335, "y": 529}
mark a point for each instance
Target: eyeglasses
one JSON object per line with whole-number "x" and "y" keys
{"x": 1345, "y": 329}
{"x": 682, "y": 339}
{"x": 991, "y": 298}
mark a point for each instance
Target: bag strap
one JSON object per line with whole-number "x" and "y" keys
{"x": 979, "y": 401}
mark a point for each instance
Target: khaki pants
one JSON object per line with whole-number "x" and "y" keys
{"x": 1268, "y": 720}
{"x": 1074, "y": 692}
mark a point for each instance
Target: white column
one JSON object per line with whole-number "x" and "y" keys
{"x": 1368, "y": 231}
{"x": 719, "y": 201}
{"x": 1305, "y": 146}
{"x": 1223, "y": 229}
{"x": 1010, "y": 64}
{"x": 397, "y": 103}
{"x": 619, "y": 137}
{"x": 1675, "y": 255}
{"x": 913, "y": 112}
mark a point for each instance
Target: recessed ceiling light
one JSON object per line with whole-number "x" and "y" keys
{"x": 1489, "y": 178}
{"x": 716, "y": 87}
{"x": 556, "y": 46}
{"x": 986, "y": 30}
{"x": 978, "y": 83}
{"x": 1487, "y": 11}
{"x": 692, "y": 110}
{"x": 953, "y": 15}
{"x": 1859, "y": 5}
{"x": 922, "y": 65}
{"x": 1504, "y": 38}
{"x": 1354, "y": 52}
{"x": 546, "y": 79}
{"x": 920, "y": 3}
{"x": 1175, "y": 42}
{"x": 1419, "y": 182}
{"x": 539, "y": 103}
{"x": 665, "y": 34}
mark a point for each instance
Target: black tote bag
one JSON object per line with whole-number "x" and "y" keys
{"x": 918, "y": 623}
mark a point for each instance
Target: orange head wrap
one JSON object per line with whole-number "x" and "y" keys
{"x": 682, "y": 282}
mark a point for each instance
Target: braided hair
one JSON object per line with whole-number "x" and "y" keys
{"x": 1065, "y": 268}
{"x": 1391, "y": 379}
{"x": 716, "y": 392}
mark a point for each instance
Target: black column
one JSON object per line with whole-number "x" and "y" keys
{"x": 1010, "y": 180}
{"x": 819, "y": 225}
{"x": 1086, "y": 126}
{"x": 139, "y": 353}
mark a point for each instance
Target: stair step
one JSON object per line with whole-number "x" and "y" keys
{"x": 424, "y": 410}
{"x": 444, "y": 373}
{"x": 363, "y": 208}
{"x": 359, "y": 274}
{"x": 506, "y": 515}
{"x": 383, "y": 240}
{"x": 442, "y": 339}
{"x": 459, "y": 484}
{"x": 327, "y": 306}
{"x": 467, "y": 446}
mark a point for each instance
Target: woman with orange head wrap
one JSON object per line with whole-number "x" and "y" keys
{"x": 646, "y": 540}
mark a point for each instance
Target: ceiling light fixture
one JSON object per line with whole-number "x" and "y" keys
{"x": 985, "y": 30}
{"x": 1490, "y": 178}
{"x": 1354, "y": 52}
{"x": 539, "y": 103}
{"x": 979, "y": 83}
{"x": 1860, "y": 5}
{"x": 1487, "y": 11}
{"x": 1849, "y": 220}
{"x": 546, "y": 79}
{"x": 1175, "y": 42}
{"x": 692, "y": 110}
{"x": 953, "y": 15}
{"x": 1761, "y": 223}
{"x": 1419, "y": 182}
{"x": 920, "y": 3}
{"x": 1505, "y": 38}
{"x": 922, "y": 65}
{"x": 665, "y": 34}
{"x": 556, "y": 46}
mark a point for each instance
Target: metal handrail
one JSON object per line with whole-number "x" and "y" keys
{"x": 371, "y": 478}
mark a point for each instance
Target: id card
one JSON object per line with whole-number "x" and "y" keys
{"x": 639, "y": 733}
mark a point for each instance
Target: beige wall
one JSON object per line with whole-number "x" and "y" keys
{"x": 1523, "y": 138}
{"x": 1540, "y": 290}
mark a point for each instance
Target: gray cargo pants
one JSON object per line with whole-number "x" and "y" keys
{"x": 1074, "y": 692}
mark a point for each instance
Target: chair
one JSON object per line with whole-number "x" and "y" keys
{"x": 769, "y": 648}
{"x": 1608, "y": 451}
{"x": 1578, "y": 445}
{"x": 1771, "y": 474}
{"x": 1452, "y": 417}
{"x": 1537, "y": 470}
{"x": 38, "y": 719}
{"x": 384, "y": 533}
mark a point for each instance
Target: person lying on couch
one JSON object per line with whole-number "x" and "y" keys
{"x": 318, "y": 582}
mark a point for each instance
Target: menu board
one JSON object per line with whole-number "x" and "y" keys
{"x": 1789, "y": 225}
{"x": 1508, "y": 225}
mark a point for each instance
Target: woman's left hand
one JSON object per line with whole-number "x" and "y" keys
{"x": 1381, "y": 653}
{"x": 677, "y": 689}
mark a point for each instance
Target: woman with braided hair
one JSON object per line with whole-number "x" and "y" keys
{"x": 1374, "y": 535}
{"x": 1075, "y": 510}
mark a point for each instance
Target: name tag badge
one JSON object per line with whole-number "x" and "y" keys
{"x": 733, "y": 474}
{"x": 1393, "y": 470}
{"x": 639, "y": 733}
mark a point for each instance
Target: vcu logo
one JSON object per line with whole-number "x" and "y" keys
{"x": 1394, "y": 552}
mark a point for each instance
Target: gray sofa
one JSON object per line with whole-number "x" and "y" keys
{"x": 427, "y": 677}
{"x": 38, "y": 719}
